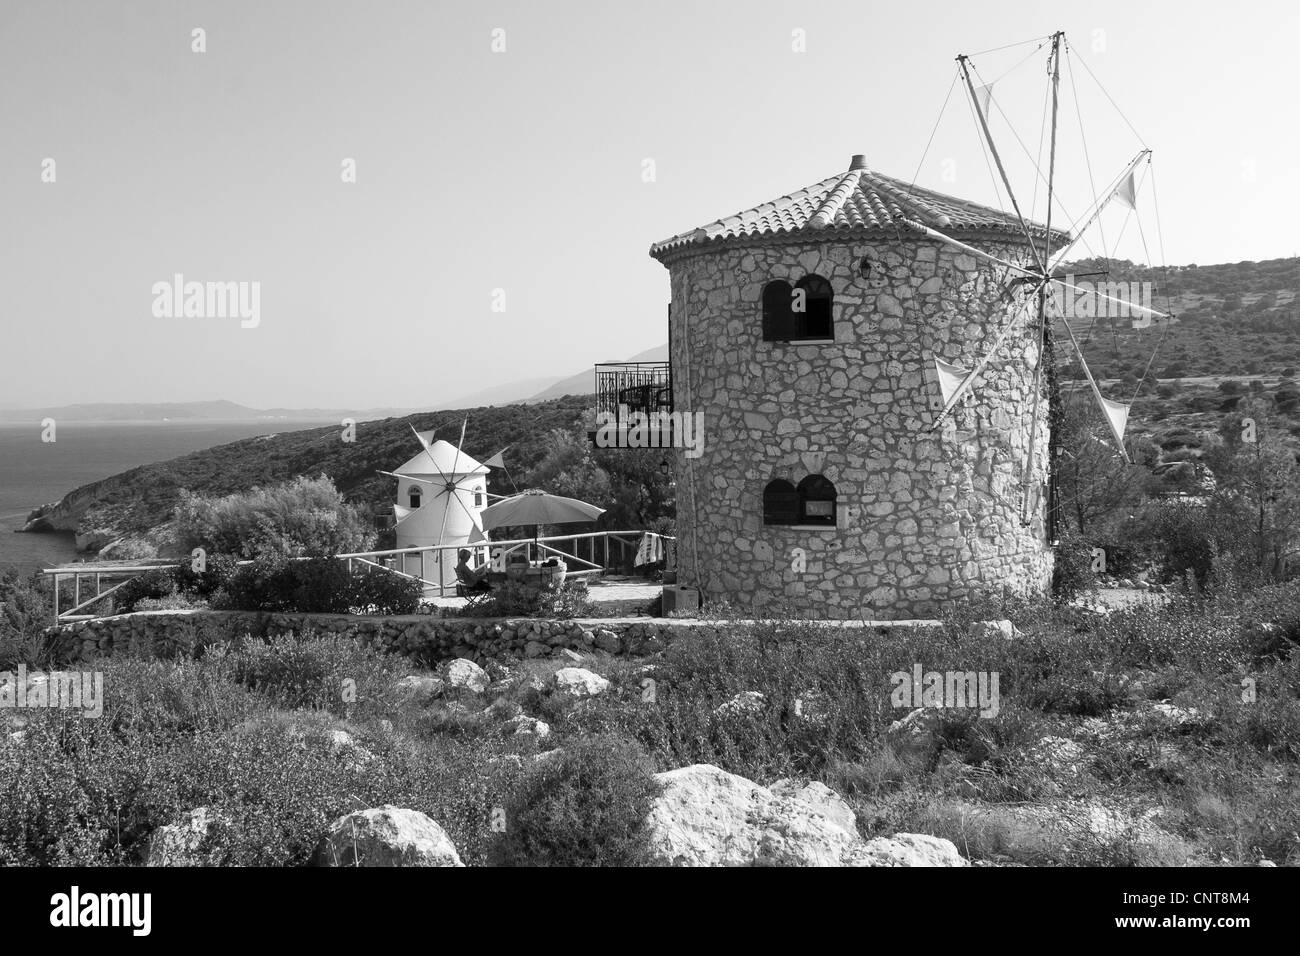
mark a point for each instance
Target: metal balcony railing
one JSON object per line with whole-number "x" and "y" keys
{"x": 638, "y": 386}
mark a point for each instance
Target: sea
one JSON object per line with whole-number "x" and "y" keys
{"x": 34, "y": 472}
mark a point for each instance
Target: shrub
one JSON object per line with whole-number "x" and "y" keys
{"x": 1072, "y": 573}
{"x": 316, "y": 586}
{"x": 216, "y": 575}
{"x": 568, "y": 601}
{"x": 267, "y": 584}
{"x": 328, "y": 672}
{"x": 586, "y": 806}
{"x": 24, "y": 614}
{"x": 296, "y": 518}
{"x": 152, "y": 585}
{"x": 516, "y": 599}
{"x": 380, "y": 593}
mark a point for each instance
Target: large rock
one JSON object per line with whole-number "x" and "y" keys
{"x": 822, "y": 797}
{"x": 177, "y": 844}
{"x": 419, "y": 689}
{"x": 708, "y": 817}
{"x": 912, "y": 849}
{"x": 386, "y": 836}
{"x": 465, "y": 676}
{"x": 608, "y": 641}
{"x": 525, "y": 726}
{"x": 577, "y": 683}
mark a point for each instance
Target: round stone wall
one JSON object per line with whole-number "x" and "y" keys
{"x": 923, "y": 517}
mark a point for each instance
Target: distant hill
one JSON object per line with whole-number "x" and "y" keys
{"x": 139, "y": 503}
{"x": 505, "y": 394}
{"x": 584, "y": 382}
{"x": 221, "y": 411}
{"x": 541, "y": 389}
{"x": 1236, "y": 319}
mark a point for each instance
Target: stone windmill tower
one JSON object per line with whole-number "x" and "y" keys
{"x": 821, "y": 335}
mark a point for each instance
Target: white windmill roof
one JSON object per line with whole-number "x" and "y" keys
{"x": 446, "y": 460}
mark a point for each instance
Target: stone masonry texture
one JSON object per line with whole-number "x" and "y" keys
{"x": 925, "y": 517}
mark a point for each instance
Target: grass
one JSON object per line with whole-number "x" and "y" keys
{"x": 1082, "y": 765}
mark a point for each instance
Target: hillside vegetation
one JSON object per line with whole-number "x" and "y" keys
{"x": 144, "y": 498}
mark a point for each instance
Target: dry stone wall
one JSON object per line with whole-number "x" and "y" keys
{"x": 924, "y": 517}
{"x": 424, "y": 638}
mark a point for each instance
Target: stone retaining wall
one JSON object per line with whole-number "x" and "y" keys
{"x": 427, "y": 639}
{"x": 423, "y": 638}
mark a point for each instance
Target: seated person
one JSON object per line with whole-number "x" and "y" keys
{"x": 472, "y": 581}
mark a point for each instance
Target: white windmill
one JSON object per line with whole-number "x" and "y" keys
{"x": 441, "y": 494}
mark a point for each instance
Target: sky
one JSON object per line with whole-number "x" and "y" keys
{"x": 505, "y": 199}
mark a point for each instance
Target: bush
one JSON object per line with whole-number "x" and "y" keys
{"x": 1072, "y": 572}
{"x": 296, "y": 518}
{"x": 24, "y": 614}
{"x": 380, "y": 593}
{"x": 516, "y": 599}
{"x": 329, "y": 673}
{"x": 317, "y": 586}
{"x": 152, "y": 585}
{"x": 586, "y": 806}
{"x": 216, "y": 575}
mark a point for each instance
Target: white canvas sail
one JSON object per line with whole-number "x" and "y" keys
{"x": 950, "y": 380}
{"x": 1116, "y": 417}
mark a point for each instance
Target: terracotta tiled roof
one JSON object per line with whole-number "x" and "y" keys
{"x": 859, "y": 200}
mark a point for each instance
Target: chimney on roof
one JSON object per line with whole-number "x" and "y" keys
{"x": 858, "y": 162}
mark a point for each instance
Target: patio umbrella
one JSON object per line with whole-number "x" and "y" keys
{"x": 538, "y": 508}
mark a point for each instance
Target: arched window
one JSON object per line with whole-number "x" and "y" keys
{"x": 816, "y": 501}
{"x": 778, "y": 319}
{"x": 780, "y": 503}
{"x": 415, "y": 496}
{"x": 815, "y": 321}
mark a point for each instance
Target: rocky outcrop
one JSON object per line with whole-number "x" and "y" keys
{"x": 177, "y": 844}
{"x": 708, "y": 817}
{"x": 386, "y": 836}
{"x": 465, "y": 677}
{"x": 576, "y": 683}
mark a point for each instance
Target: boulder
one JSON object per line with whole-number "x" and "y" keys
{"x": 577, "y": 683}
{"x": 344, "y": 746}
{"x": 1002, "y": 628}
{"x": 821, "y": 797}
{"x": 745, "y": 704}
{"x": 1058, "y": 755}
{"x": 386, "y": 836}
{"x": 177, "y": 844}
{"x": 1178, "y": 715}
{"x": 503, "y": 708}
{"x": 419, "y": 689}
{"x": 525, "y": 726}
{"x": 708, "y": 817}
{"x": 467, "y": 677}
{"x": 912, "y": 849}
{"x": 608, "y": 641}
